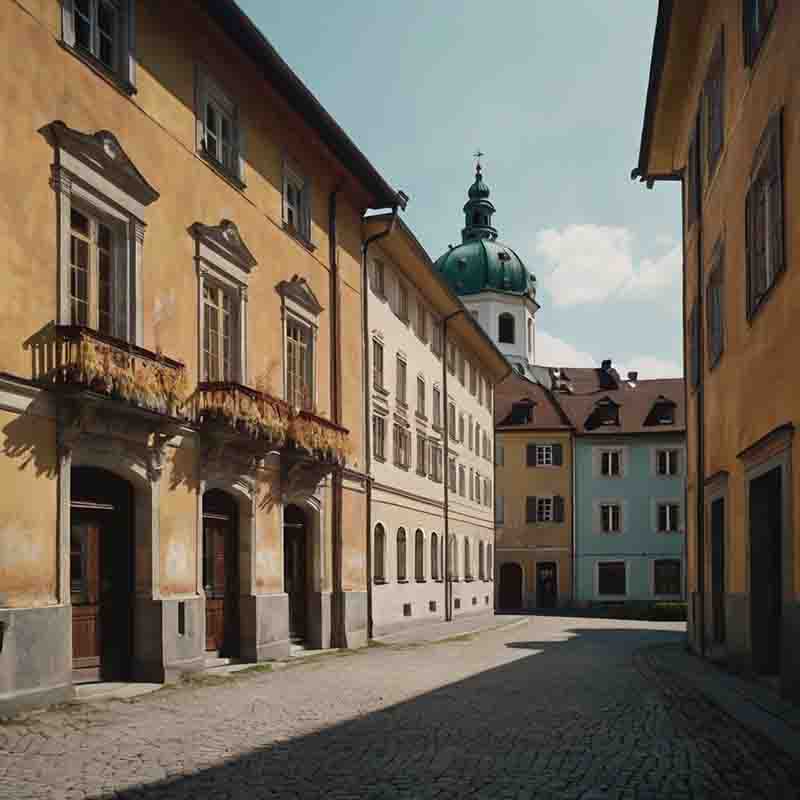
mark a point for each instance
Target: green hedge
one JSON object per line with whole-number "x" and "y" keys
{"x": 654, "y": 612}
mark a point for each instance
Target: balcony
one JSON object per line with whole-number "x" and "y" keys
{"x": 81, "y": 360}
{"x": 234, "y": 409}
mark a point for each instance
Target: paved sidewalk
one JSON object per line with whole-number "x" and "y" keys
{"x": 756, "y": 706}
{"x": 439, "y": 631}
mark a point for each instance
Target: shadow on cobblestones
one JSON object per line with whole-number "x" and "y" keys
{"x": 570, "y": 718}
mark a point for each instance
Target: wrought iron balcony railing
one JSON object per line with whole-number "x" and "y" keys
{"x": 81, "y": 358}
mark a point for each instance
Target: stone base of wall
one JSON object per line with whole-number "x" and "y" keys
{"x": 319, "y": 621}
{"x": 264, "y": 621}
{"x": 36, "y": 657}
{"x": 354, "y": 607}
{"x": 408, "y": 624}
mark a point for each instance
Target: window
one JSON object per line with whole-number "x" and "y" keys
{"x": 612, "y": 578}
{"x": 481, "y": 561}
{"x": 544, "y": 509}
{"x": 715, "y": 313}
{"x": 402, "y": 301}
{"x": 436, "y": 343}
{"x": 530, "y": 338}
{"x": 401, "y": 382}
{"x": 470, "y": 432}
{"x": 692, "y": 176}
{"x": 451, "y": 358}
{"x": 610, "y": 517}
{"x": 461, "y": 426}
{"x": 422, "y": 322}
{"x": 421, "y": 396}
{"x": 451, "y": 474}
{"x": 473, "y": 380}
{"x": 487, "y": 492}
{"x": 667, "y": 462}
{"x": 477, "y": 439}
{"x": 452, "y": 559}
{"x": 693, "y": 339}
{"x": 467, "y": 560}
{"x": 379, "y": 437}
{"x": 764, "y": 217}
{"x": 521, "y": 414}
{"x": 667, "y": 576}
{"x": 422, "y": 451}
{"x": 544, "y": 455}
{"x": 499, "y": 455}
{"x": 380, "y": 554}
{"x": 611, "y": 463}
{"x": 437, "y": 408}
{"x": 217, "y": 333}
{"x": 505, "y": 328}
{"x": 713, "y": 100}
{"x": 477, "y": 488}
{"x": 296, "y": 203}
{"x": 451, "y": 421}
{"x": 668, "y": 517}
{"x": 419, "y": 555}
{"x": 462, "y": 480}
{"x": 436, "y": 463}
{"x": 378, "y": 278}
{"x": 377, "y": 364}
{"x": 461, "y": 368}
{"x": 402, "y": 446}
{"x": 401, "y": 555}
{"x": 480, "y": 389}
{"x": 299, "y": 364}
{"x": 757, "y": 15}
{"x": 103, "y": 30}
{"x": 499, "y": 509}
{"x": 435, "y": 556}
{"x": 489, "y": 573}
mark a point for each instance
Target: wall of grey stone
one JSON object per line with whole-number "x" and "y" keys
{"x": 264, "y": 627}
{"x": 36, "y": 657}
{"x": 183, "y": 652}
{"x": 355, "y": 618}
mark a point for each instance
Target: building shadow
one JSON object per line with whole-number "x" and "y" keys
{"x": 572, "y": 712}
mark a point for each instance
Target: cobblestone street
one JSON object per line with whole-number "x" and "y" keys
{"x": 551, "y": 708}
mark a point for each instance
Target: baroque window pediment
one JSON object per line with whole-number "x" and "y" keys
{"x": 298, "y": 291}
{"x": 226, "y": 241}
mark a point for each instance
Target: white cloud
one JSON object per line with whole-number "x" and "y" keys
{"x": 552, "y": 351}
{"x": 590, "y": 263}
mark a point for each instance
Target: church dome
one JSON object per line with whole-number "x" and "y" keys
{"x": 481, "y": 263}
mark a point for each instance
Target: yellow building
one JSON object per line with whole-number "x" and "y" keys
{"x": 534, "y": 496}
{"x": 721, "y": 115}
{"x": 182, "y": 412}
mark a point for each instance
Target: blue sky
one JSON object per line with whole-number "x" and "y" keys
{"x": 553, "y": 93}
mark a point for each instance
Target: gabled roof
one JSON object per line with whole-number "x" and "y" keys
{"x": 515, "y": 389}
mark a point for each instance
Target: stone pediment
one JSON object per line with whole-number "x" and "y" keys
{"x": 226, "y": 240}
{"x": 104, "y": 154}
{"x": 298, "y": 290}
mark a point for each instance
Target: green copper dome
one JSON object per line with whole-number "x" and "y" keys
{"x": 481, "y": 263}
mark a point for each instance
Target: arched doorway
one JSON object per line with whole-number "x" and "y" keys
{"x": 101, "y": 575}
{"x": 295, "y": 574}
{"x": 510, "y": 587}
{"x": 221, "y": 572}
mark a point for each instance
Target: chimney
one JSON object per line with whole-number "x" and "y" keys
{"x": 606, "y": 365}
{"x": 633, "y": 376}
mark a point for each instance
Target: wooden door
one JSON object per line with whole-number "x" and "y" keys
{"x": 87, "y": 642}
{"x": 546, "y": 585}
{"x": 220, "y": 581}
{"x": 511, "y": 587}
{"x": 294, "y": 570}
{"x": 766, "y": 578}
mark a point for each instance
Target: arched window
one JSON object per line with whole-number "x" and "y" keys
{"x": 467, "y": 560}
{"x": 434, "y": 556}
{"x": 489, "y": 572}
{"x": 505, "y": 328}
{"x": 380, "y": 554}
{"x": 481, "y": 562}
{"x": 401, "y": 555}
{"x": 419, "y": 555}
{"x": 452, "y": 566}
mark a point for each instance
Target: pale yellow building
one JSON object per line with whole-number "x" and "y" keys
{"x": 181, "y": 405}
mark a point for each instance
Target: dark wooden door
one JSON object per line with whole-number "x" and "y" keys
{"x": 87, "y": 641}
{"x": 546, "y": 585}
{"x": 511, "y": 587}
{"x": 766, "y": 519}
{"x": 718, "y": 569}
{"x": 220, "y": 579}
{"x": 294, "y": 570}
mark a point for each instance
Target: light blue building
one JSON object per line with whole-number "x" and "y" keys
{"x": 629, "y": 489}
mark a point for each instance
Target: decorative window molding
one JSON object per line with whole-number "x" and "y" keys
{"x": 220, "y": 132}
{"x": 93, "y": 174}
{"x": 224, "y": 263}
{"x": 300, "y": 311}
{"x": 103, "y": 34}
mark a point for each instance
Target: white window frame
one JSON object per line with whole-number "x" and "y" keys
{"x": 545, "y": 508}
{"x": 379, "y": 421}
{"x": 677, "y": 452}
{"x": 656, "y": 503}
{"x": 597, "y": 461}
{"x": 208, "y": 91}
{"x": 422, "y": 396}
{"x": 401, "y": 387}
{"x": 597, "y": 514}
{"x": 544, "y": 455}
{"x": 612, "y": 597}
{"x": 422, "y": 454}
{"x": 124, "y": 68}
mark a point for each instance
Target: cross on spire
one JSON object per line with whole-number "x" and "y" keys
{"x": 478, "y": 153}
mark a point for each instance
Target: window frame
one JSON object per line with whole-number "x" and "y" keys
{"x": 609, "y": 595}
{"x": 422, "y": 453}
{"x": 401, "y": 381}
{"x": 379, "y": 554}
{"x": 715, "y": 303}
{"x": 379, "y": 436}
{"x": 502, "y": 318}
{"x": 302, "y": 209}
{"x": 378, "y": 366}
{"x": 668, "y": 503}
{"x": 654, "y": 576}
{"x": 402, "y": 555}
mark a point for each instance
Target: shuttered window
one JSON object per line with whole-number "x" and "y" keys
{"x": 715, "y": 308}
{"x": 714, "y": 104}
{"x": 530, "y": 509}
{"x": 764, "y": 214}
{"x": 756, "y": 19}
{"x": 692, "y": 179}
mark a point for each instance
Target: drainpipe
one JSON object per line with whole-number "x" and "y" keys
{"x": 448, "y": 582}
{"x": 574, "y": 587}
{"x": 338, "y": 626}
{"x": 367, "y": 385}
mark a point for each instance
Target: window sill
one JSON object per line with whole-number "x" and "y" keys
{"x": 380, "y": 581}
{"x": 379, "y": 459}
{"x": 381, "y": 390}
{"x": 402, "y": 580}
{"x": 101, "y": 70}
{"x": 222, "y": 170}
{"x": 299, "y": 237}
{"x": 455, "y": 579}
{"x": 420, "y": 416}
{"x": 421, "y": 580}
{"x": 402, "y": 406}
{"x": 469, "y": 580}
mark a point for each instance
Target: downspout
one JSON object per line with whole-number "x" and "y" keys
{"x": 448, "y": 580}
{"x": 367, "y": 386}
{"x": 572, "y": 479}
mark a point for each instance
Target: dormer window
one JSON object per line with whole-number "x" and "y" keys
{"x": 521, "y": 413}
{"x": 606, "y": 412}
{"x": 662, "y": 413}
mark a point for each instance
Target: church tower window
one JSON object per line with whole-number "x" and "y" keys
{"x": 505, "y": 328}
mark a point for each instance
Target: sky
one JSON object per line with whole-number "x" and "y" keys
{"x": 553, "y": 93}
